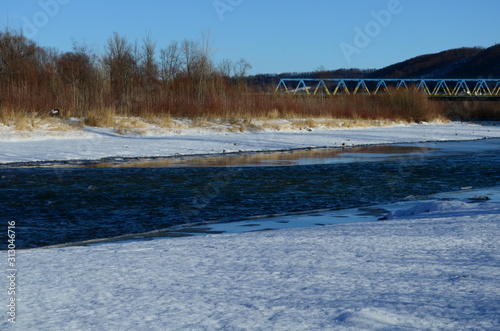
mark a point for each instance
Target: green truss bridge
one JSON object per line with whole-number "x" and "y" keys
{"x": 487, "y": 89}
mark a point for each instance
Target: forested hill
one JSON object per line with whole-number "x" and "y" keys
{"x": 454, "y": 63}
{"x": 466, "y": 62}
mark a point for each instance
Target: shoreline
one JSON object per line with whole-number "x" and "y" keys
{"x": 97, "y": 144}
{"x": 185, "y": 160}
{"x": 190, "y": 160}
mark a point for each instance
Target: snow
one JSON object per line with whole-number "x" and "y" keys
{"x": 435, "y": 266}
{"x": 96, "y": 143}
{"x": 449, "y": 208}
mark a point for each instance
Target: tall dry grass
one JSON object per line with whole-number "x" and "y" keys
{"x": 21, "y": 120}
{"x": 401, "y": 105}
{"x": 105, "y": 117}
{"x": 473, "y": 110}
{"x": 236, "y": 108}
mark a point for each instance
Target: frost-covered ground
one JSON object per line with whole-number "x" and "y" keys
{"x": 434, "y": 267}
{"x": 94, "y": 143}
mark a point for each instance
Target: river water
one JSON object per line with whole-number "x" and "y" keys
{"x": 67, "y": 203}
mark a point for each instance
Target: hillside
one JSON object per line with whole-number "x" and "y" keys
{"x": 454, "y": 63}
{"x": 465, "y": 62}
{"x": 486, "y": 64}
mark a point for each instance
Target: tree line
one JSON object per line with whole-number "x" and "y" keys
{"x": 132, "y": 78}
{"x": 182, "y": 79}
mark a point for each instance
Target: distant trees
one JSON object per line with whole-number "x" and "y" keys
{"x": 21, "y": 69}
{"x": 439, "y": 65}
{"x": 122, "y": 71}
{"x": 170, "y": 62}
{"x": 80, "y": 78}
{"x": 225, "y": 67}
{"x": 129, "y": 77}
{"x": 241, "y": 68}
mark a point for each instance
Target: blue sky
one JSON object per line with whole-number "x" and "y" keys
{"x": 274, "y": 36}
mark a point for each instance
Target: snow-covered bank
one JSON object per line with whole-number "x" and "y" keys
{"x": 435, "y": 268}
{"x": 96, "y": 143}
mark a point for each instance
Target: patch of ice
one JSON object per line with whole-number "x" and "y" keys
{"x": 439, "y": 207}
{"x": 372, "y": 318}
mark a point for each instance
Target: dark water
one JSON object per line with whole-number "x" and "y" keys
{"x": 54, "y": 205}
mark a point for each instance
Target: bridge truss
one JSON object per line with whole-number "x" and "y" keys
{"x": 444, "y": 88}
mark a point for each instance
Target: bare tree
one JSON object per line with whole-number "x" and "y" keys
{"x": 321, "y": 72}
{"x": 189, "y": 50}
{"x": 170, "y": 62}
{"x": 17, "y": 56}
{"x": 198, "y": 64}
{"x": 122, "y": 67}
{"x": 204, "y": 67}
{"x": 149, "y": 65}
{"x": 23, "y": 72}
{"x": 241, "y": 68}
{"x": 225, "y": 67}
{"x": 204, "y": 64}
{"x": 149, "y": 71}
{"x": 78, "y": 70}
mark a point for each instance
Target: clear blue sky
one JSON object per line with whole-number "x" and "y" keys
{"x": 274, "y": 36}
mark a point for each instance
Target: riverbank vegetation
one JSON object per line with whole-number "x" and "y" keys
{"x": 181, "y": 80}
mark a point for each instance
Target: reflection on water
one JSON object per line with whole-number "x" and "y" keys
{"x": 246, "y": 159}
{"x": 296, "y": 157}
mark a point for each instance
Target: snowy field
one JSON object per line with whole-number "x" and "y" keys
{"x": 95, "y": 143}
{"x": 434, "y": 267}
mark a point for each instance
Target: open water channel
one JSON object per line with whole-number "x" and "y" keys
{"x": 60, "y": 203}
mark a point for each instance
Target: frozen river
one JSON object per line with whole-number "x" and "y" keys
{"x": 78, "y": 202}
